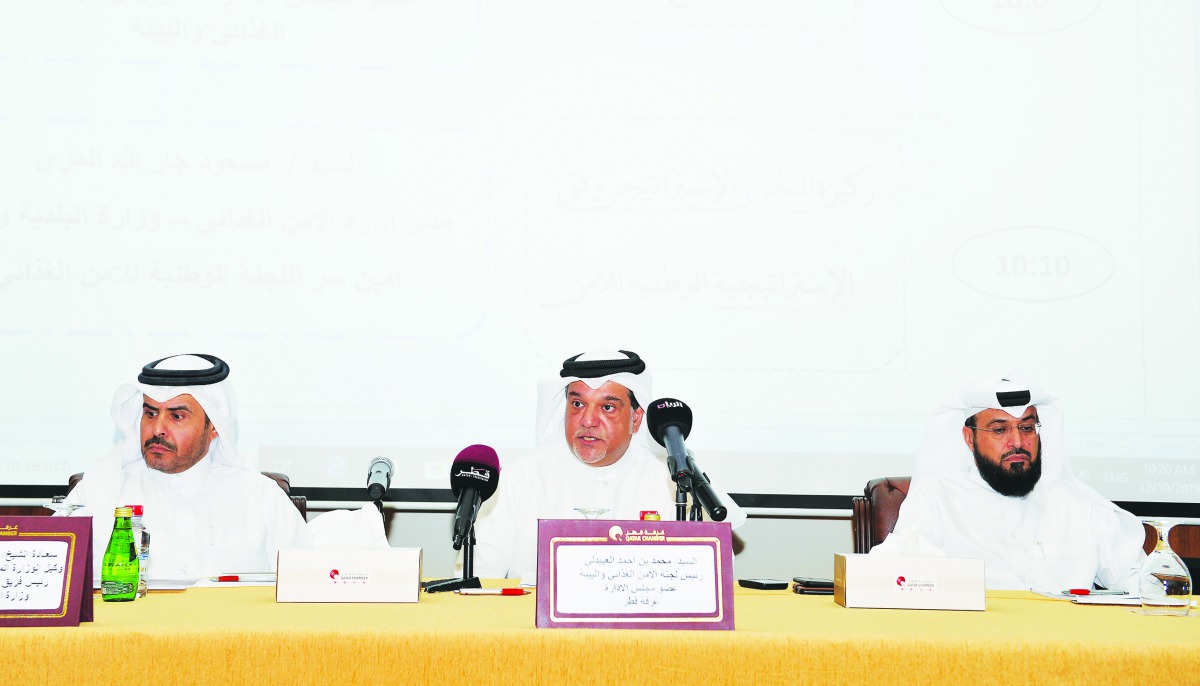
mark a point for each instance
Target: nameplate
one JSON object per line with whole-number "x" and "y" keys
{"x": 908, "y": 583}
{"x": 45, "y": 571}
{"x": 358, "y": 575}
{"x": 618, "y": 574}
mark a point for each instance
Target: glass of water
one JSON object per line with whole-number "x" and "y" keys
{"x": 1163, "y": 581}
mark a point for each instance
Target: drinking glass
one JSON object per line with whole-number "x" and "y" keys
{"x": 61, "y": 509}
{"x": 1163, "y": 581}
{"x": 591, "y": 512}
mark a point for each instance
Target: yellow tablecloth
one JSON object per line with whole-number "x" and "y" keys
{"x": 240, "y": 635}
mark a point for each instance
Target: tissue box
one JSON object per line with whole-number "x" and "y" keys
{"x": 908, "y": 583}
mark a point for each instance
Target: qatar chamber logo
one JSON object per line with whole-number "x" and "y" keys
{"x": 906, "y": 584}
{"x": 339, "y": 578}
{"x": 615, "y": 533}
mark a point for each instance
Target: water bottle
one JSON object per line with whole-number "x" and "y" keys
{"x": 142, "y": 538}
{"x": 119, "y": 568}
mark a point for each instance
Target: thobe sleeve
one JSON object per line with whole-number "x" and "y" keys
{"x": 361, "y": 528}
{"x": 1119, "y": 537}
{"x": 495, "y": 533}
{"x": 921, "y": 516}
{"x": 76, "y": 496}
{"x": 285, "y": 526}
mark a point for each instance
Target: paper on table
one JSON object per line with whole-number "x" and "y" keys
{"x": 1107, "y": 600}
{"x": 169, "y": 584}
{"x": 227, "y": 580}
{"x": 159, "y": 584}
{"x": 1054, "y": 595}
{"x": 1098, "y": 599}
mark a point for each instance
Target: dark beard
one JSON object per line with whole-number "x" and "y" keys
{"x": 1014, "y": 483}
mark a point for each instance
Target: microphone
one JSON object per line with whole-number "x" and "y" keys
{"x": 473, "y": 479}
{"x": 379, "y": 478}
{"x": 670, "y": 422}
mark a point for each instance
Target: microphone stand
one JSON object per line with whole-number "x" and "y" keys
{"x": 468, "y": 580}
{"x": 688, "y": 477}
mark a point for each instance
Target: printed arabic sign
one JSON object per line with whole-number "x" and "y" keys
{"x": 45, "y": 571}
{"x": 633, "y": 574}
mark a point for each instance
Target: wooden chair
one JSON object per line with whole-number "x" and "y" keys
{"x": 875, "y": 512}
{"x": 301, "y": 502}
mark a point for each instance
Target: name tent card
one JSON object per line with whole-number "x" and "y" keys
{"x": 618, "y": 574}
{"x": 45, "y": 571}
{"x": 348, "y": 575}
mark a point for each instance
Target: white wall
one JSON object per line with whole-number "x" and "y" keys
{"x": 812, "y": 219}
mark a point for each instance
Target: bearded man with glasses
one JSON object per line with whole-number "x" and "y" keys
{"x": 992, "y": 481}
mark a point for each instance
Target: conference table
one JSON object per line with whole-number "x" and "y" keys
{"x": 241, "y": 635}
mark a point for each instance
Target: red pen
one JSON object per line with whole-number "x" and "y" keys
{"x": 1088, "y": 591}
{"x": 264, "y": 577}
{"x": 492, "y": 591}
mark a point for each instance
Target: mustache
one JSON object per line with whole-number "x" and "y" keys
{"x": 158, "y": 440}
{"x": 1017, "y": 451}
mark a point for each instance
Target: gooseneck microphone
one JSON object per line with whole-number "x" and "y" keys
{"x": 670, "y": 422}
{"x": 473, "y": 479}
{"x": 379, "y": 478}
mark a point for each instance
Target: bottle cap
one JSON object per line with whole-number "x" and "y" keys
{"x": 124, "y": 511}
{"x": 137, "y": 510}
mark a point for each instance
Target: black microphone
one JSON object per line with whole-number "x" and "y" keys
{"x": 473, "y": 479}
{"x": 670, "y": 422}
{"x": 379, "y": 478}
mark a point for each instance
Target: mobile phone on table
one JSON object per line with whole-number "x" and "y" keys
{"x": 763, "y": 584}
{"x": 807, "y": 585}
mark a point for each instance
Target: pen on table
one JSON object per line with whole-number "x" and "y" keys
{"x": 1089, "y": 591}
{"x": 234, "y": 578}
{"x": 492, "y": 591}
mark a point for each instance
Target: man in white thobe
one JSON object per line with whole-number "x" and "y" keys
{"x": 593, "y": 460}
{"x": 992, "y": 481}
{"x": 208, "y": 510}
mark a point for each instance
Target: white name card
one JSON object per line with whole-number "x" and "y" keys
{"x": 352, "y": 575}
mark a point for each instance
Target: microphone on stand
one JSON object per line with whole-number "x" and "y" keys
{"x": 379, "y": 478}
{"x": 670, "y": 422}
{"x": 473, "y": 479}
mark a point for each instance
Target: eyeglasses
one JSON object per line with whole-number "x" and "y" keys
{"x": 1024, "y": 429}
